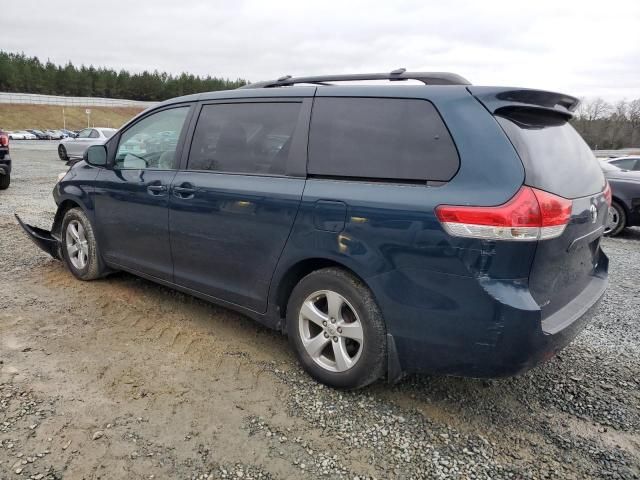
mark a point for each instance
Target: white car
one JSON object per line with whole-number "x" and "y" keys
{"x": 21, "y": 135}
{"x": 75, "y": 147}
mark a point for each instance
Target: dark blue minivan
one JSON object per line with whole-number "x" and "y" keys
{"x": 416, "y": 224}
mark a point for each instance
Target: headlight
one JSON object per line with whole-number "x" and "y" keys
{"x": 61, "y": 176}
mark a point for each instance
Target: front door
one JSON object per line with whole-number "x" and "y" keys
{"x": 132, "y": 196}
{"x": 232, "y": 209}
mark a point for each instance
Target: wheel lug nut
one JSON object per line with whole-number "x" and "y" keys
{"x": 333, "y": 320}
{"x": 339, "y": 329}
{"x": 324, "y": 322}
{"x": 326, "y": 335}
{"x": 335, "y": 339}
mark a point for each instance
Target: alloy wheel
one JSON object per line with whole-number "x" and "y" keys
{"x": 77, "y": 245}
{"x": 331, "y": 331}
{"x": 613, "y": 219}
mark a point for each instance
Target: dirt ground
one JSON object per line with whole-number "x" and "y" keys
{"x": 122, "y": 378}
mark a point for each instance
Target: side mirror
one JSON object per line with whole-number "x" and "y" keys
{"x": 96, "y": 155}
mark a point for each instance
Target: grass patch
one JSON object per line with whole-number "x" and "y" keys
{"x": 20, "y": 117}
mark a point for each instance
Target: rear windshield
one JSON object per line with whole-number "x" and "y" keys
{"x": 107, "y": 132}
{"x": 555, "y": 157}
{"x": 607, "y": 167}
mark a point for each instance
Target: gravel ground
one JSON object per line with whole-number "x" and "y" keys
{"x": 121, "y": 378}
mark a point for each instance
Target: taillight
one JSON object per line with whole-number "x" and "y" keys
{"x": 607, "y": 193}
{"x": 4, "y": 140}
{"x": 531, "y": 214}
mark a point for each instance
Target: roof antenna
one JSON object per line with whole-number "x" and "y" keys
{"x": 282, "y": 79}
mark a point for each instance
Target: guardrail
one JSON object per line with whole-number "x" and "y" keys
{"x": 36, "y": 99}
{"x": 617, "y": 153}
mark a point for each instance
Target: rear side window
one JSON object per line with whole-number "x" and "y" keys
{"x": 244, "y": 137}
{"x": 555, "y": 157}
{"x": 380, "y": 138}
{"x": 626, "y": 164}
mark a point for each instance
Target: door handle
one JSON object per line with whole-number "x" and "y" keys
{"x": 185, "y": 190}
{"x": 156, "y": 189}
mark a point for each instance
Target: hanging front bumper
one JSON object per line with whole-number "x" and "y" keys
{"x": 42, "y": 238}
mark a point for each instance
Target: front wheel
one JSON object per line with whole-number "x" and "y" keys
{"x": 79, "y": 247}
{"x": 616, "y": 220}
{"x": 62, "y": 153}
{"x": 336, "y": 329}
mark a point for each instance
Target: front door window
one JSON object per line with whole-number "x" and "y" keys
{"x": 151, "y": 143}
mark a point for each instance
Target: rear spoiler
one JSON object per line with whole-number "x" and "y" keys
{"x": 495, "y": 99}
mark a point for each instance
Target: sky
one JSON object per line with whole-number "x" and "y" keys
{"x": 582, "y": 48}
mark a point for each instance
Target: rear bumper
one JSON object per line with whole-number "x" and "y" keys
{"x": 475, "y": 327}
{"x": 42, "y": 238}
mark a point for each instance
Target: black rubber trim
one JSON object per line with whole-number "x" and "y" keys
{"x": 42, "y": 238}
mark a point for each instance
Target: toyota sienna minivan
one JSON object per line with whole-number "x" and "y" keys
{"x": 415, "y": 224}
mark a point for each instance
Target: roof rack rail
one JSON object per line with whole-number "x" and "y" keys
{"x": 428, "y": 78}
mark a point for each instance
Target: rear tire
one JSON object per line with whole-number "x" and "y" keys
{"x": 616, "y": 221}
{"x": 79, "y": 247}
{"x": 5, "y": 180}
{"x": 62, "y": 153}
{"x": 337, "y": 330}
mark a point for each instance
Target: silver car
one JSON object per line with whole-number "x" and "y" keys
{"x": 75, "y": 147}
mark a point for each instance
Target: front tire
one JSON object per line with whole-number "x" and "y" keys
{"x": 62, "y": 153}
{"x": 337, "y": 330}
{"x": 616, "y": 220}
{"x": 79, "y": 247}
{"x": 5, "y": 180}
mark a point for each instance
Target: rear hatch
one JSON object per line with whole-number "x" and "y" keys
{"x": 558, "y": 161}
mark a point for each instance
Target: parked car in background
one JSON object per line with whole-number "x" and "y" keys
{"x": 386, "y": 229}
{"x": 5, "y": 161}
{"x": 69, "y": 133}
{"x": 75, "y": 147}
{"x": 40, "y": 135}
{"x": 625, "y": 190}
{"x": 21, "y": 135}
{"x": 55, "y": 134}
{"x": 626, "y": 163}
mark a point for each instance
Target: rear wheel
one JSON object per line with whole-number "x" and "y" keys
{"x": 62, "y": 153}
{"x": 5, "y": 180}
{"x": 336, "y": 329}
{"x": 79, "y": 247}
{"x": 616, "y": 220}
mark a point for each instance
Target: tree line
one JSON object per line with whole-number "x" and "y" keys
{"x": 606, "y": 126}
{"x": 23, "y": 74}
{"x": 603, "y": 125}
